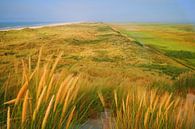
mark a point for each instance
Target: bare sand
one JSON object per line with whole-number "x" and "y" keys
{"x": 40, "y": 26}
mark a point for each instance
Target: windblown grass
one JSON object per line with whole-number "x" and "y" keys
{"x": 142, "y": 109}
{"x": 99, "y": 70}
{"x": 40, "y": 104}
{"x": 67, "y": 102}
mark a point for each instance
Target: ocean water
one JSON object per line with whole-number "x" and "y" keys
{"x": 10, "y": 25}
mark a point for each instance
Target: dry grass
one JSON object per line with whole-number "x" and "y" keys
{"x": 97, "y": 69}
{"x": 25, "y": 108}
{"x": 8, "y": 118}
{"x": 134, "y": 107}
{"x": 153, "y": 111}
{"x": 47, "y": 113}
{"x": 38, "y": 90}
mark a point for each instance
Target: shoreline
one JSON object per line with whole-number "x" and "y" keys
{"x": 38, "y": 26}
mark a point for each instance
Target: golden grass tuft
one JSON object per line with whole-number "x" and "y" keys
{"x": 102, "y": 99}
{"x": 8, "y": 119}
{"x": 60, "y": 90}
{"x": 55, "y": 64}
{"x": 23, "y": 89}
{"x": 70, "y": 118}
{"x": 47, "y": 113}
{"x": 22, "y": 92}
{"x": 49, "y": 89}
{"x": 13, "y": 101}
{"x": 69, "y": 96}
{"x": 41, "y": 82}
{"x": 146, "y": 118}
{"x": 39, "y": 101}
{"x": 115, "y": 99}
{"x": 25, "y": 108}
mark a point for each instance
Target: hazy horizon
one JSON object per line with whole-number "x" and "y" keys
{"x": 139, "y": 11}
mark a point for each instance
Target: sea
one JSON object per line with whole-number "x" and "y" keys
{"x": 15, "y": 25}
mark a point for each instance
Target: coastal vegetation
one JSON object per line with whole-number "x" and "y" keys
{"x": 64, "y": 76}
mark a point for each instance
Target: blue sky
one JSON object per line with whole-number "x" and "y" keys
{"x": 98, "y": 10}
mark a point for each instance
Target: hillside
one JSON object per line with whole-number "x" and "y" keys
{"x": 96, "y": 75}
{"x": 93, "y": 48}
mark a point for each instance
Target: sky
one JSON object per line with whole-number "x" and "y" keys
{"x": 98, "y": 10}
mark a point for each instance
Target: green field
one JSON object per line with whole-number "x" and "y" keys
{"x": 175, "y": 41}
{"x": 62, "y": 76}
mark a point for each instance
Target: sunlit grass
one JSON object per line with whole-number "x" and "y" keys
{"x": 96, "y": 70}
{"x": 46, "y": 100}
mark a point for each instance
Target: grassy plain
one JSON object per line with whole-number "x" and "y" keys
{"x": 59, "y": 77}
{"x": 174, "y": 40}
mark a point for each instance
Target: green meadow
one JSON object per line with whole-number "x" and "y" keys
{"x": 176, "y": 41}
{"x": 62, "y": 77}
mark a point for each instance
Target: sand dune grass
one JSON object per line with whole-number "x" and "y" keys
{"x": 67, "y": 102}
{"x": 95, "y": 70}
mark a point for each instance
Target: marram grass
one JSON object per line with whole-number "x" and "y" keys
{"x": 35, "y": 103}
{"x": 47, "y": 101}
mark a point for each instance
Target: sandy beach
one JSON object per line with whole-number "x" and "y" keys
{"x": 38, "y": 26}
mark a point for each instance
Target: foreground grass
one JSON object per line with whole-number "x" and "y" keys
{"x": 47, "y": 99}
